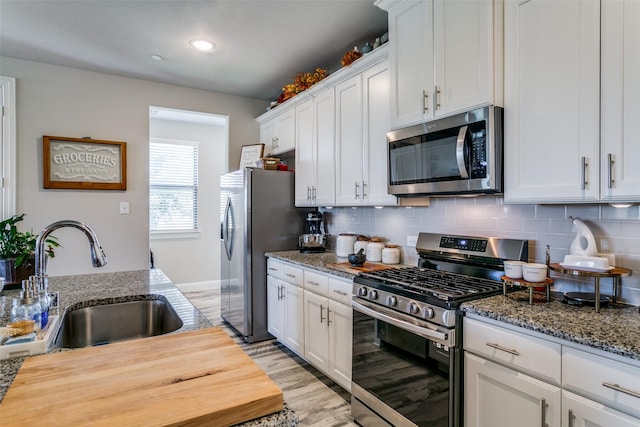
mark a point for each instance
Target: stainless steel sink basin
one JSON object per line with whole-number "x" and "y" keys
{"x": 110, "y": 321}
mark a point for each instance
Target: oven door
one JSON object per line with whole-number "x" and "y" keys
{"x": 405, "y": 372}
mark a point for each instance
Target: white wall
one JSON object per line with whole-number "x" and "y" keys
{"x": 197, "y": 258}
{"x": 61, "y": 101}
{"x": 616, "y": 230}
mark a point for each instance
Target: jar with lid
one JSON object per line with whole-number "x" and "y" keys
{"x": 361, "y": 243}
{"x": 374, "y": 249}
{"x": 344, "y": 244}
{"x": 391, "y": 254}
{"x": 28, "y": 308}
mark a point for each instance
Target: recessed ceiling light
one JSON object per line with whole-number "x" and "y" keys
{"x": 156, "y": 57}
{"x": 203, "y": 45}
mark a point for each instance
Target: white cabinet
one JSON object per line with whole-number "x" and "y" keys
{"x": 620, "y": 101}
{"x": 285, "y": 305}
{"x": 328, "y": 329}
{"x": 446, "y": 57}
{"x": 362, "y": 121}
{"x": 315, "y": 155}
{"x": 278, "y": 133}
{"x": 570, "y": 105}
{"x": 514, "y": 378}
{"x": 495, "y": 395}
{"x": 582, "y": 412}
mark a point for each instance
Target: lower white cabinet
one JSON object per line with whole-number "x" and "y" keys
{"x": 284, "y": 313}
{"x": 565, "y": 386}
{"x": 310, "y": 313}
{"x": 495, "y": 395}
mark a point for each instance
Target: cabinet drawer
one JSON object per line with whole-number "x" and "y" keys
{"x": 293, "y": 275}
{"x": 316, "y": 282}
{"x": 340, "y": 290}
{"x": 534, "y": 356}
{"x": 275, "y": 268}
{"x": 613, "y": 383}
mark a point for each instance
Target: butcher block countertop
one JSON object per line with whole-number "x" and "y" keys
{"x": 116, "y": 286}
{"x": 198, "y": 377}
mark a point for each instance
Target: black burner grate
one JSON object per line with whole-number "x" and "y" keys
{"x": 440, "y": 284}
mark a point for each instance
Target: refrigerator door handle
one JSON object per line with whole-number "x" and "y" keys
{"x": 227, "y": 228}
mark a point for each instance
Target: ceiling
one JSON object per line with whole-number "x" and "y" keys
{"x": 260, "y": 44}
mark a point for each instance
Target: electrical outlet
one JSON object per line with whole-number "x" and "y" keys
{"x": 124, "y": 208}
{"x": 412, "y": 241}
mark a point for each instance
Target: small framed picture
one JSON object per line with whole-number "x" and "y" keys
{"x": 84, "y": 164}
{"x": 250, "y": 154}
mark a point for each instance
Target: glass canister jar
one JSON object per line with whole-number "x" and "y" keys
{"x": 374, "y": 249}
{"x": 344, "y": 244}
{"x": 391, "y": 254}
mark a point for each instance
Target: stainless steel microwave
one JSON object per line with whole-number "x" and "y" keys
{"x": 455, "y": 155}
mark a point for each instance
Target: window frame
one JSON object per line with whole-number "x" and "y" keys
{"x": 184, "y": 233}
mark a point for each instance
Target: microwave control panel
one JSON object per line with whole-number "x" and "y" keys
{"x": 478, "y": 162}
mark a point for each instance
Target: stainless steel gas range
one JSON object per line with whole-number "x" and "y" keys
{"x": 407, "y": 338}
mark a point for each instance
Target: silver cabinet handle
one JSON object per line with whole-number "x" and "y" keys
{"x": 321, "y": 310}
{"x": 313, "y": 192}
{"x": 364, "y": 190}
{"x": 328, "y": 316}
{"x": 279, "y": 292}
{"x": 343, "y": 293}
{"x": 425, "y": 101}
{"x": 357, "y": 190}
{"x": 290, "y": 275}
{"x": 543, "y": 407}
{"x": 570, "y": 418}
{"x": 499, "y": 347}
{"x": 583, "y": 172}
{"x": 313, "y": 283}
{"x": 273, "y": 269}
{"x": 437, "y": 99}
{"x": 617, "y": 387}
{"x": 308, "y": 193}
{"x": 610, "y": 161}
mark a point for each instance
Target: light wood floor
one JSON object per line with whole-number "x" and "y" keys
{"x": 316, "y": 399}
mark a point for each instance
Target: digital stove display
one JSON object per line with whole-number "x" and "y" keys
{"x": 474, "y": 245}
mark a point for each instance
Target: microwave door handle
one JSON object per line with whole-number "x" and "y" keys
{"x": 462, "y": 168}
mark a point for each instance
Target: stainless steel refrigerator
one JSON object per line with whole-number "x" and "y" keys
{"x": 257, "y": 215}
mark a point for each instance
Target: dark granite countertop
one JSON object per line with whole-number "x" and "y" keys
{"x": 119, "y": 286}
{"x": 616, "y": 329}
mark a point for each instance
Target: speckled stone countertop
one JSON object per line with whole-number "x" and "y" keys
{"x": 616, "y": 329}
{"x": 90, "y": 289}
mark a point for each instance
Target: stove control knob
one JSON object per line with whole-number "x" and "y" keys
{"x": 429, "y": 313}
{"x": 373, "y": 294}
{"x": 414, "y": 308}
{"x": 392, "y": 301}
{"x": 362, "y": 291}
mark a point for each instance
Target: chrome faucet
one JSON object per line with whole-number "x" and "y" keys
{"x": 98, "y": 258}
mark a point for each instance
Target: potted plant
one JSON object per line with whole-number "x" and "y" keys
{"x": 17, "y": 250}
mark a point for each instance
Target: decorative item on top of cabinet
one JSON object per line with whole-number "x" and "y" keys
{"x": 433, "y": 72}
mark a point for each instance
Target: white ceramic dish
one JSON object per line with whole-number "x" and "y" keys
{"x": 513, "y": 269}
{"x": 534, "y": 272}
{"x": 592, "y": 269}
{"x": 593, "y": 263}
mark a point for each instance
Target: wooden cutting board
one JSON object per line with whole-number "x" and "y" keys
{"x": 366, "y": 267}
{"x": 192, "y": 378}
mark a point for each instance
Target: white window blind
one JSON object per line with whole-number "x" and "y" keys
{"x": 173, "y": 185}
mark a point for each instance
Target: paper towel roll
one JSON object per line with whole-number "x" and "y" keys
{"x": 584, "y": 243}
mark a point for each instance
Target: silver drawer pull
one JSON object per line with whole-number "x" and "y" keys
{"x": 507, "y": 350}
{"x": 543, "y": 407}
{"x": 290, "y": 275}
{"x": 273, "y": 269}
{"x": 617, "y": 387}
{"x": 313, "y": 283}
{"x": 340, "y": 292}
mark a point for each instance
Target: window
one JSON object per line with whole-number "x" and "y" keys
{"x": 173, "y": 186}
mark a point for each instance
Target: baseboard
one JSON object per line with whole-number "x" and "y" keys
{"x": 208, "y": 285}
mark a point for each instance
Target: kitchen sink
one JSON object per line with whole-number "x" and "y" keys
{"x": 106, "y": 321}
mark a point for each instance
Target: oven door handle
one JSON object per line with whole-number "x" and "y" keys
{"x": 423, "y": 331}
{"x": 460, "y": 149}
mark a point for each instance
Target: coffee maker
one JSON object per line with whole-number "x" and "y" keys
{"x": 313, "y": 239}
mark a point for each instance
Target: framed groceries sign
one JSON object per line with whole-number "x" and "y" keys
{"x": 84, "y": 163}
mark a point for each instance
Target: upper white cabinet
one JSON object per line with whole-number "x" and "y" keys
{"x": 568, "y": 111}
{"x": 620, "y": 101}
{"x": 315, "y": 154}
{"x": 445, "y": 56}
{"x": 362, "y": 121}
{"x": 278, "y": 133}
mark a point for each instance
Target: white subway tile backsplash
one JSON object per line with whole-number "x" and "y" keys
{"x": 616, "y": 230}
